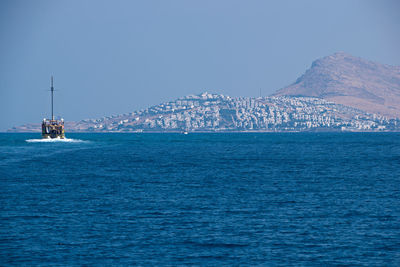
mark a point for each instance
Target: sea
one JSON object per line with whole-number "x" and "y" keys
{"x": 201, "y": 199}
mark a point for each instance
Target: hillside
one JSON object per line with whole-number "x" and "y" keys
{"x": 351, "y": 81}
{"x": 219, "y": 113}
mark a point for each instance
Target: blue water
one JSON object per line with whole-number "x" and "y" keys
{"x": 201, "y": 199}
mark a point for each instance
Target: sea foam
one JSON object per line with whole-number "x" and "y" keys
{"x": 55, "y": 140}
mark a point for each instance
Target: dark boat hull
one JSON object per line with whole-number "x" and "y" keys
{"x": 53, "y": 129}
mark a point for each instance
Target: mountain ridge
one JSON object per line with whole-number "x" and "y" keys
{"x": 351, "y": 81}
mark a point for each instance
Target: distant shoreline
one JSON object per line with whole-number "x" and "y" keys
{"x": 209, "y": 113}
{"x": 214, "y": 132}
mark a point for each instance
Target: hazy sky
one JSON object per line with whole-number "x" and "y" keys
{"x": 112, "y": 57}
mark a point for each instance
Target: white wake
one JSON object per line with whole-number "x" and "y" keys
{"x": 55, "y": 140}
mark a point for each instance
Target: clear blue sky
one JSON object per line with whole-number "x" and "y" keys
{"x": 112, "y": 57}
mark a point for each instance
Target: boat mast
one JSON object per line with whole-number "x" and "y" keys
{"x": 52, "y": 92}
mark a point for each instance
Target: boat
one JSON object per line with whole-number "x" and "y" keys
{"x": 52, "y": 128}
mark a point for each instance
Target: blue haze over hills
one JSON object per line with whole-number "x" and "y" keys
{"x": 373, "y": 90}
{"x": 114, "y": 57}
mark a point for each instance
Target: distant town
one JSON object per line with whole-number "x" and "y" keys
{"x": 219, "y": 113}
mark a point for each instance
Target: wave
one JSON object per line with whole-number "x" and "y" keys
{"x": 55, "y": 140}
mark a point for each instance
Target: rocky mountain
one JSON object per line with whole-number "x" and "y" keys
{"x": 219, "y": 113}
{"x": 351, "y": 81}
